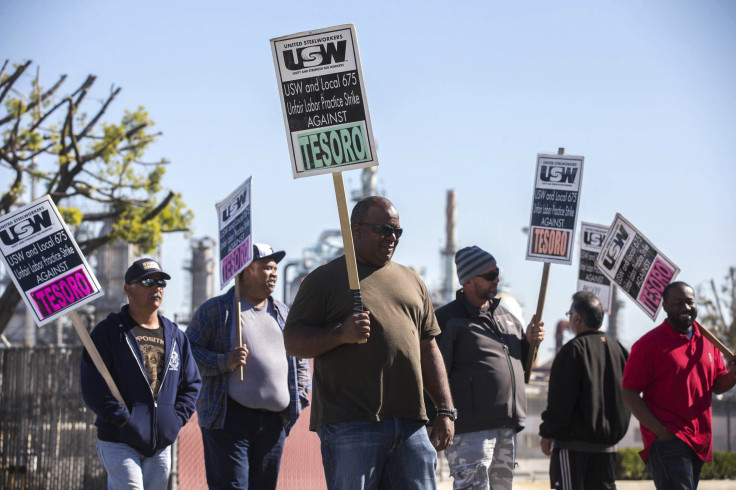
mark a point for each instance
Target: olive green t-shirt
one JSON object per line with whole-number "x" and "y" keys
{"x": 381, "y": 378}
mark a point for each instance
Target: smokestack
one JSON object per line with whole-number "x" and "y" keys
{"x": 448, "y": 288}
{"x": 202, "y": 268}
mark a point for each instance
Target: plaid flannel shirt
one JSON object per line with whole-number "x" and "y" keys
{"x": 209, "y": 334}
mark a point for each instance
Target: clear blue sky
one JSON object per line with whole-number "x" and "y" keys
{"x": 462, "y": 95}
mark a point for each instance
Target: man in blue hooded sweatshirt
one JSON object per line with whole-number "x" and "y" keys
{"x": 150, "y": 360}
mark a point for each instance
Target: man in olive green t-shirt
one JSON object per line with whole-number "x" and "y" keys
{"x": 367, "y": 405}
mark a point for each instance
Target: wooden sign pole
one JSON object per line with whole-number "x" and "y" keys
{"x": 713, "y": 340}
{"x": 95, "y": 355}
{"x": 532, "y": 357}
{"x": 347, "y": 243}
{"x": 239, "y": 320}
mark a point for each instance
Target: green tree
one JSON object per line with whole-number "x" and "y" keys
{"x": 92, "y": 169}
{"x": 717, "y": 309}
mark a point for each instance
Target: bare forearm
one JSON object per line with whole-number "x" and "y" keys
{"x": 311, "y": 342}
{"x": 434, "y": 375}
{"x": 724, "y": 383}
{"x": 644, "y": 415}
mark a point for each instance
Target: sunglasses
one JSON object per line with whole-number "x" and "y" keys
{"x": 490, "y": 276}
{"x": 148, "y": 282}
{"x": 384, "y": 230}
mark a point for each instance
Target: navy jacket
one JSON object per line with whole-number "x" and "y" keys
{"x": 147, "y": 424}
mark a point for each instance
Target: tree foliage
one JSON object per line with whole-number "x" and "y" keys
{"x": 717, "y": 308}
{"x": 92, "y": 169}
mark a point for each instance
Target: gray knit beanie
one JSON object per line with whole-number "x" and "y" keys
{"x": 471, "y": 261}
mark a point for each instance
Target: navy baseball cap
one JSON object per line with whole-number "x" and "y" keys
{"x": 262, "y": 251}
{"x": 142, "y": 268}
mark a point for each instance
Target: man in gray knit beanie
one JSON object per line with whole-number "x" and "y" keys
{"x": 485, "y": 348}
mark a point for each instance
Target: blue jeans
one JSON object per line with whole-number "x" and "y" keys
{"x": 128, "y": 469}
{"x": 674, "y": 465}
{"x": 246, "y": 452}
{"x": 392, "y": 454}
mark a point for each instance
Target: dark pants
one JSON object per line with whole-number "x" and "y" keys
{"x": 580, "y": 470}
{"x": 674, "y": 465}
{"x": 246, "y": 453}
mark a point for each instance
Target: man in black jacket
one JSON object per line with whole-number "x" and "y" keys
{"x": 586, "y": 415}
{"x": 484, "y": 347}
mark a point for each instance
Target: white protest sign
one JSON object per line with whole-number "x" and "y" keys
{"x": 44, "y": 261}
{"x": 590, "y": 278}
{"x": 323, "y": 101}
{"x": 554, "y": 208}
{"x": 631, "y": 261}
{"x": 236, "y": 249}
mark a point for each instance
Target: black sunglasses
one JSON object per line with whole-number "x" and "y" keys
{"x": 148, "y": 282}
{"x": 490, "y": 276}
{"x": 384, "y": 230}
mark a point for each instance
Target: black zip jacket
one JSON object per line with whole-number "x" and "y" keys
{"x": 484, "y": 353}
{"x": 585, "y": 401}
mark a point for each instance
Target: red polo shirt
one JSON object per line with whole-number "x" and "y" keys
{"x": 676, "y": 375}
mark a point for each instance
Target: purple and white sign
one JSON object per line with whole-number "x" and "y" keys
{"x": 590, "y": 278}
{"x": 44, "y": 261}
{"x": 639, "y": 269}
{"x": 236, "y": 249}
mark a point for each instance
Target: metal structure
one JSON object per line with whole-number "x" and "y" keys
{"x": 201, "y": 270}
{"x": 616, "y": 304}
{"x": 112, "y": 261}
{"x": 328, "y": 247}
{"x": 448, "y": 253}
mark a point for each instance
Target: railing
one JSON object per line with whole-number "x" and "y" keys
{"x": 47, "y": 439}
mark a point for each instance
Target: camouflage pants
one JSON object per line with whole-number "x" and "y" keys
{"x": 483, "y": 460}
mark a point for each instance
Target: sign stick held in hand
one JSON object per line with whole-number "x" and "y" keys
{"x": 557, "y": 186}
{"x": 347, "y": 240}
{"x": 238, "y": 312}
{"x": 532, "y": 356}
{"x": 321, "y": 138}
{"x": 95, "y": 355}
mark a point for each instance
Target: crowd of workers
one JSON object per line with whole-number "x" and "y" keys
{"x": 393, "y": 384}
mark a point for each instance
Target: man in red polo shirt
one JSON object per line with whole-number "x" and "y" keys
{"x": 677, "y": 370}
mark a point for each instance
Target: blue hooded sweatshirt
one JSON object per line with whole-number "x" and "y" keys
{"x": 145, "y": 423}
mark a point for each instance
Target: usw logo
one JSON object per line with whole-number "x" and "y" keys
{"x": 617, "y": 245}
{"x": 319, "y": 55}
{"x": 27, "y": 227}
{"x": 550, "y": 173}
{"x": 234, "y": 206}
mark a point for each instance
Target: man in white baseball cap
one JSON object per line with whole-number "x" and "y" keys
{"x": 244, "y": 424}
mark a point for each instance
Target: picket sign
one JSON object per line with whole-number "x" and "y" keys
{"x": 236, "y": 238}
{"x": 534, "y": 348}
{"x": 50, "y": 271}
{"x": 326, "y": 117}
